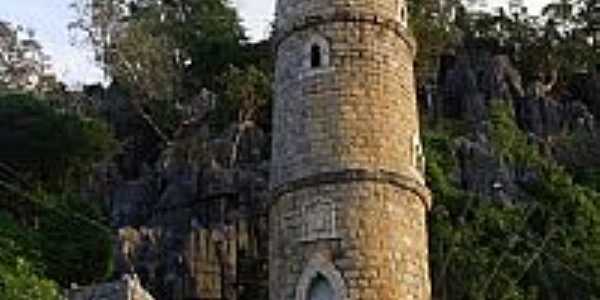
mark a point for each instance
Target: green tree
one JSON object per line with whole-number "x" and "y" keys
{"x": 19, "y": 282}
{"x": 59, "y": 236}
{"x": 46, "y": 147}
{"x": 433, "y": 27}
{"x": 75, "y": 243}
{"x": 45, "y": 156}
{"x": 246, "y": 93}
{"x": 544, "y": 246}
{"x": 163, "y": 51}
{"x": 23, "y": 64}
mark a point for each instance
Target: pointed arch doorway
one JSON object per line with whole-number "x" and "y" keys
{"x": 321, "y": 281}
{"x": 320, "y": 289}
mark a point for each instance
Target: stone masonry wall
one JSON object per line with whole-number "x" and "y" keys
{"x": 349, "y": 207}
{"x": 291, "y": 13}
{"x": 360, "y": 112}
{"x": 379, "y": 245}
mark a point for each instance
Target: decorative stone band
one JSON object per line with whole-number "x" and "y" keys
{"x": 355, "y": 175}
{"x": 345, "y": 17}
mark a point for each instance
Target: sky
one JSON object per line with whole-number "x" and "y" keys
{"x": 74, "y": 64}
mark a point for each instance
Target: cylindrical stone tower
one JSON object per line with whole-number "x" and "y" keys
{"x": 348, "y": 218}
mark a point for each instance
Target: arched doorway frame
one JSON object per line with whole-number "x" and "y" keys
{"x": 318, "y": 265}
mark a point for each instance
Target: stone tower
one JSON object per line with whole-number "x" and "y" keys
{"x": 348, "y": 218}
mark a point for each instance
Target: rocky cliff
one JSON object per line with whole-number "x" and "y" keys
{"x": 194, "y": 225}
{"x": 471, "y": 82}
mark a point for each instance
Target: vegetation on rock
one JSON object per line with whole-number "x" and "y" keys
{"x": 183, "y": 65}
{"x": 543, "y": 246}
{"x": 49, "y": 236}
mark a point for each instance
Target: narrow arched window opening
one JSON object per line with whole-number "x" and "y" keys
{"x": 316, "y": 57}
{"x": 320, "y": 289}
{"x": 403, "y": 15}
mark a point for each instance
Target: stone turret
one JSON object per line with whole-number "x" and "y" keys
{"x": 348, "y": 218}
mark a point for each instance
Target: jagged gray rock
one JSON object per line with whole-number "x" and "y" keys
{"x": 131, "y": 202}
{"x": 470, "y": 84}
{"x": 473, "y": 80}
{"x": 128, "y": 288}
{"x": 195, "y": 226}
{"x": 483, "y": 173}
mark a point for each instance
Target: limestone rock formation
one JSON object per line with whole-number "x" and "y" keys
{"x": 470, "y": 82}
{"x": 545, "y": 117}
{"x": 128, "y": 288}
{"x": 131, "y": 202}
{"x": 195, "y": 226}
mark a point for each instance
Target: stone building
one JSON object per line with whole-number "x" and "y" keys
{"x": 348, "y": 218}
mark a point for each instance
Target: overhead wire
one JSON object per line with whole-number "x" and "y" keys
{"x": 23, "y": 195}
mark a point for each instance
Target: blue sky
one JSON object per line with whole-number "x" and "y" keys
{"x": 74, "y": 64}
{"x": 49, "y": 19}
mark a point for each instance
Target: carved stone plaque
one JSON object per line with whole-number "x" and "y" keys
{"x": 318, "y": 219}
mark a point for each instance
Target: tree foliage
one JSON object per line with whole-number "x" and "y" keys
{"x": 433, "y": 27}
{"x": 546, "y": 246}
{"x": 75, "y": 244}
{"x": 199, "y": 38}
{"x": 23, "y": 64}
{"x": 48, "y": 147}
{"x": 18, "y": 281}
{"x": 67, "y": 242}
{"x": 46, "y": 230}
{"x": 562, "y": 43}
{"x": 164, "y": 52}
{"x": 245, "y": 93}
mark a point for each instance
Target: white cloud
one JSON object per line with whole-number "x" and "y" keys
{"x": 536, "y": 5}
{"x": 257, "y": 16}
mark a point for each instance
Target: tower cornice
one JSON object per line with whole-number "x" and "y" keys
{"x": 309, "y": 21}
{"x": 356, "y": 175}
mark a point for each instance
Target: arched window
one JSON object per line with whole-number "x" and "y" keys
{"x": 315, "y": 56}
{"x": 402, "y": 13}
{"x": 316, "y": 53}
{"x": 417, "y": 153}
{"x": 320, "y": 289}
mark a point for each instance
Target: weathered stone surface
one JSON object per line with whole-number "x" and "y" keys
{"x": 349, "y": 202}
{"x": 586, "y": 88}
{"x": 461, "y": 96}
{"x": 128, "y": 288}
{"x": 204, "y": 234}
{"x": 471, "y": 81}
{"x": 131, "y": 202}
{"x": 379, "y": 241}
{"x": 502, "y": 80}
{"x": 546, "y": 117}
{"x": 481, "y": 172}
{"x": 357, "y": 113}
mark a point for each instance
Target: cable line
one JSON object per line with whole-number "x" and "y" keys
{"x": 61, "y": 211}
